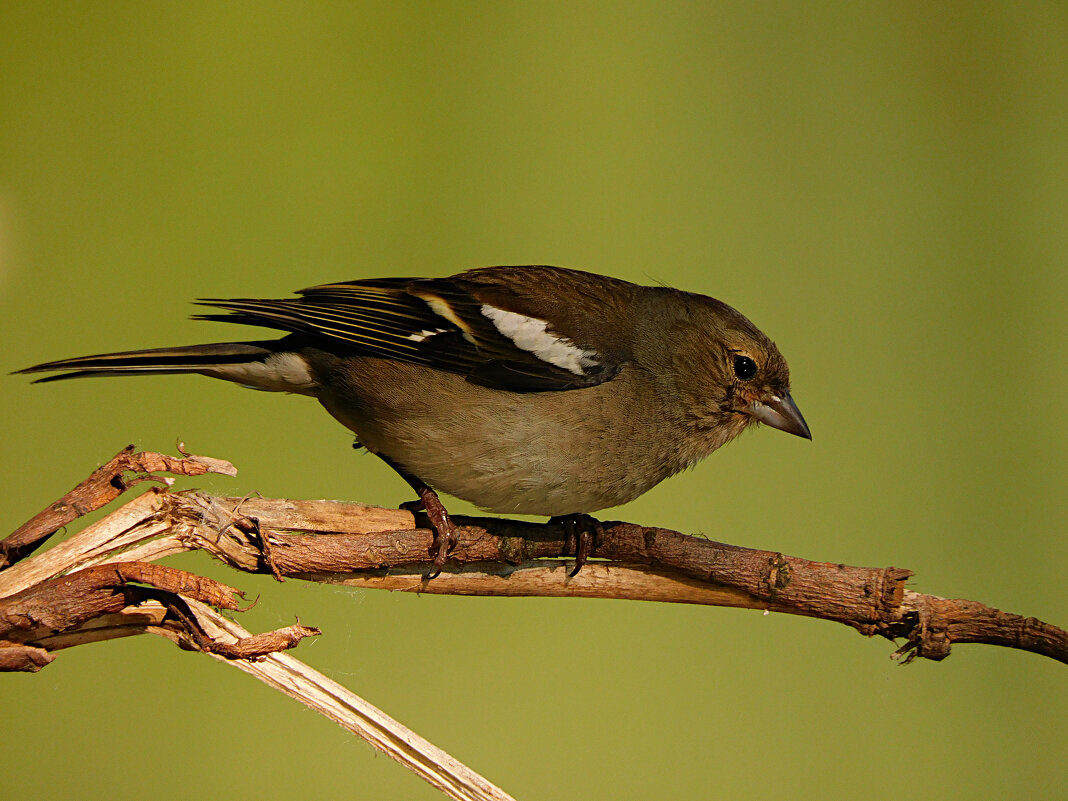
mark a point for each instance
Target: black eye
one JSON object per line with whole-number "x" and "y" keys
{"x": 744, "y": 367}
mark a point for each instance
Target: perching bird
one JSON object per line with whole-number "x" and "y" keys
{"x": 532, "y": 390}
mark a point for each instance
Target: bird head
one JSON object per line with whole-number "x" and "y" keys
{"x": 759, "y": 386}
{"x": 732, "y": 373}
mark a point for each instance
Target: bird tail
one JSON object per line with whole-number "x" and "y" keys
{"x": 260, "y": 365}
{"x": 190, "y": 359}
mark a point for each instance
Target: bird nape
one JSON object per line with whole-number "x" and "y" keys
{"x": 525, "y": 390}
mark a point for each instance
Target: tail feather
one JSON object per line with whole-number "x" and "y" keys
{"x": 159, "y": 361}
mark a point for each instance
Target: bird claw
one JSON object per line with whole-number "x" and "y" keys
{"x": 441, "y": 546}
{"x": 582, "y": 533}
{"x": 445, "y": 534}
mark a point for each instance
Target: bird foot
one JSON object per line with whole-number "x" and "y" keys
{"x": 445, "y": 534}
{"x": 582, "y": 534}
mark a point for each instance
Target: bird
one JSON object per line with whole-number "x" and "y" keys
{"x": 522, "y": 389}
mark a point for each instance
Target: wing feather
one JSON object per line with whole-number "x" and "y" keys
{"x": 438, "y": 323}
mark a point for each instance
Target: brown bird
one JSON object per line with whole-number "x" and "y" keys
{"x": 532, "y": 390}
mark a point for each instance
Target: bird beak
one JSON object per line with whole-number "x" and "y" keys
{"x": 781, "y": 413}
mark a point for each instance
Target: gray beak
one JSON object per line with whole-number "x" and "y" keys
{"x": 781, "y": 413}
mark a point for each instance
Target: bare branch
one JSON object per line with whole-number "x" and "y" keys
{"x": 508, "y": 557}
{"x": 101, "y": 584}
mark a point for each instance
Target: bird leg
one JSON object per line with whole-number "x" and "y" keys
{"x": 445, "y": 537}
{"x": 582, "y": 533}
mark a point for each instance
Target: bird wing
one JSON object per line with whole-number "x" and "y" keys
{"x": 450, "y": 324}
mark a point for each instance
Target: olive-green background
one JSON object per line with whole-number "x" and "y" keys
{"x": 883, "y": 188}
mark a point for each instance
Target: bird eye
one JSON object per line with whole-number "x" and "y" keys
{"x": 744, "y": 367}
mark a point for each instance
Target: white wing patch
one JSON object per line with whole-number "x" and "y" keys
{"x": 425, "y": 334}
{"x": 532, "y": 335}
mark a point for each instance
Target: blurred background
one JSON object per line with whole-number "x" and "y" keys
{"x": 883, "y": 188}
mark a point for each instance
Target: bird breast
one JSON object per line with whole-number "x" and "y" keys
{"x": 543, "y": 453}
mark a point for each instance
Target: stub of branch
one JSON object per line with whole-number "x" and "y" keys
{"x": 23, "y": 658}
{"x": 936, "y": 623}
{"x": 55, "y": 613}
{"x": 124, "y": 470}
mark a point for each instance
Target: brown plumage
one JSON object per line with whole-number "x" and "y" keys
{"x": 532, "y": 390}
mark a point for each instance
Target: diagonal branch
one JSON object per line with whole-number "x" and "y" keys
{"x": 93, "y": 587}
{"x": 123, "y": 471}
{"x": 348, "y": 710}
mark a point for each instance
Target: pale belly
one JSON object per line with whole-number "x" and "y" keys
{"x": 548, "y": 453}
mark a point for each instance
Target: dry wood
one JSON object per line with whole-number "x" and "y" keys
{"x": 97, "y": 586}
{"x": 123, "y": 471}
{"x": 508, "y": 557}
{"x": 62, "y": 605}
{"x": 101, "y": 584}
{"x": 353, "y": 713}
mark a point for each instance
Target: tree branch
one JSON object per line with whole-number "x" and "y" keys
{"x": 101, "y": 584}
{"x": 372, "y": 547}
